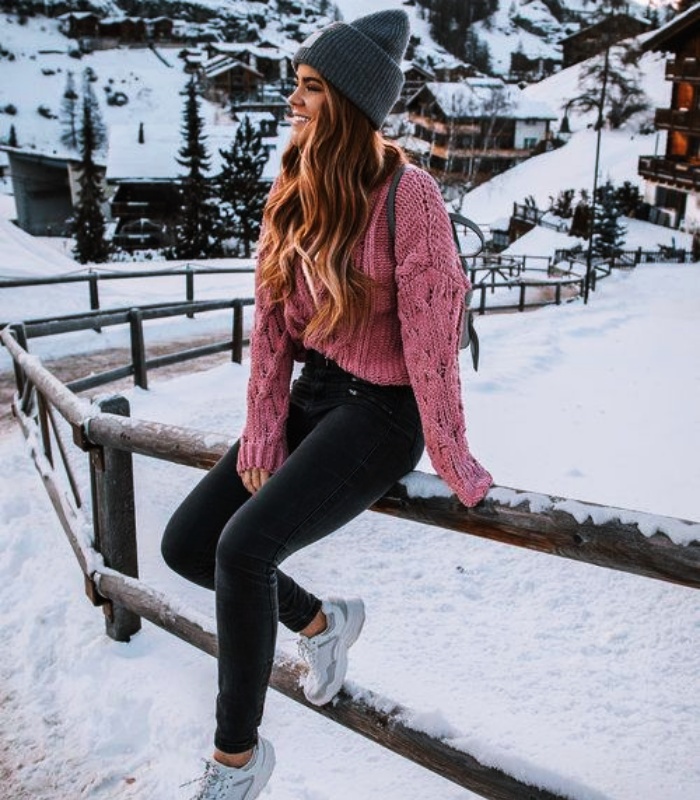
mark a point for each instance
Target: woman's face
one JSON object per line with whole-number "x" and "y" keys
{"x": 306, "y": 102}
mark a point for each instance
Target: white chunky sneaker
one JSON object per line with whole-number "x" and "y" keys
{"x": 220, "y": 782}
{"x": 327, "y": 653}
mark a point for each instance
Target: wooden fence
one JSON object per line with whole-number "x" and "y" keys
{"x": 628, "y": 541}
{"x": 93, "y": 278}
{"x": 135, "y": 318}
{"x": 507, "y": 276}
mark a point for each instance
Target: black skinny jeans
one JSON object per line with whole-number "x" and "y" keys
{"x": 349, "y": 442}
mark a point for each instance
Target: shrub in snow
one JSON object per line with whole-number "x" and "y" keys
{"x": 46, "y": 112}
{"x": 117, "y": 99}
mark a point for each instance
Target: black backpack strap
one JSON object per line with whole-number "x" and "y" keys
{"x": 391, "y": 202}
{"x": 458, "y": 219}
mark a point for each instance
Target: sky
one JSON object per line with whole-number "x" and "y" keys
{"x": 571, "y": 676}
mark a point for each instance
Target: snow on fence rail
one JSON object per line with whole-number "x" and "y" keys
{"x": 644, "y": 544}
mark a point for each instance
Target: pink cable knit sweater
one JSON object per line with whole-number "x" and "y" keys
{"x": 411, "y": 337}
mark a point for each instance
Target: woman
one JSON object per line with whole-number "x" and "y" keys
{"x": 376, "y": 323}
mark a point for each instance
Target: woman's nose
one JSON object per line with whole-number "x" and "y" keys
{"x": 294, "y": 97}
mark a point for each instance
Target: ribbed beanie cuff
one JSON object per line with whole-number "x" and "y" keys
{"x": 362, "y": 60}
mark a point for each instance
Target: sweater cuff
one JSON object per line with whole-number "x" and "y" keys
{"x": 260, "y": 455}
{"x": 473, "y": 484}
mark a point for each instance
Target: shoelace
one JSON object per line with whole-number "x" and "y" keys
{"x": 308, "y": 649}
{"x": 200, "y": 779}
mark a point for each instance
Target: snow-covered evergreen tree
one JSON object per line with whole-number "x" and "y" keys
{"x": 98, "y": 125}
{"x": 70, "y": 114}
{"x": 240, "y": 190}
{"x": 608, "y": 228}
{"x": 89, "y": 220}
{"x": 198, "y": 230}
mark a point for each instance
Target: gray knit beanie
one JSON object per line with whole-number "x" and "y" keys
{"x": 361, "y": 59}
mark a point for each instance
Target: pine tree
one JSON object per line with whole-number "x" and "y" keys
{"x": 89, "y": 221}
{"x": 608, "y": 229}
{"x": 69, "y": 114}
{"x": 240, "y": 190}
{"x": 98, "y": 126}
{"x": 12, "y": 137}
{"x": 197, "y": 232}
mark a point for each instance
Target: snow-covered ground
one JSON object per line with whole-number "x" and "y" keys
{"x": 572, "y": 676}
{"x": 578, "y": 678}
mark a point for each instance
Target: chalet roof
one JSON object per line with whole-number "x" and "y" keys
{"x": 223, "y": 64}
{"x": 605, "y": 23}
{"x": 77, "y": 15}
{"x": 680, "y": 27}
{"x": 156, "y": 159}
{"x": 409, "y": 66}
{"x": 473, "y": 96}
{"x": 272, "y": 52}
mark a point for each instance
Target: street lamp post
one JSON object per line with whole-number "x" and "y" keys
{"x": 599, "y": 129}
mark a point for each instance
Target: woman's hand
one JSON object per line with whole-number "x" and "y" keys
{"x": 254, "y": 478}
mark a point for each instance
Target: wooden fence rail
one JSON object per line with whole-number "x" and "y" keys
{"x": 94, "y": 277}
{"x": 135, "y": 318}
{"x": 663, "y": 548}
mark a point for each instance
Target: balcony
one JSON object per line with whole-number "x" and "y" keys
{"x": 677, "y": 174}
{"x": 680, "y": 120}
{"x": 683, "y": 69}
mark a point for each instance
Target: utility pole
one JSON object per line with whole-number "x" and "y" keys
{"x": 599, "y": 129}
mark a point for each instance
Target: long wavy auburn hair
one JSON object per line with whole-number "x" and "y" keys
{"x": 318, "y": 212}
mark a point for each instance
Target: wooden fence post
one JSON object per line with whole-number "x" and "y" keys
{"x": 237, "y": 333}
{"x": 138, "y": 348}
{"x": 189, "y": 288}
{"x": 114, "y": 518}
{"x": 20, "y": 334}
{"x": 94, "y": 296}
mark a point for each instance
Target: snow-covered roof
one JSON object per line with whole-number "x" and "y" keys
{"x": 472, "y": 95}
{"x": 272, "y": 52}
{"x": 77, "y": 15}
{"x": 660, "y": 38}
{"x": 220, "y": 67}
{"x": 156, "y": 158}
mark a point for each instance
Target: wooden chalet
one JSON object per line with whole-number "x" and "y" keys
{"x": 227, "y": 79}
{"x": 265, "y": 58}
{"x": 415, "y": 78}
{"x": 79, "y": 24}
{"x": 476, "y": 128}
{"x": 159, "y": 29}
{"x": 593, "y": 39}
{"x": 672, "y": 180}
{"x": 454, "y": 70}
{"x": 125, "y": 30}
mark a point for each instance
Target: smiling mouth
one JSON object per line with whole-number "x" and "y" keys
{"x": 298, "y": 118}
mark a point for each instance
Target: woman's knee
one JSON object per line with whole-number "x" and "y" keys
{"x": 243, "y": 551}
{"x": 171, "y": 548}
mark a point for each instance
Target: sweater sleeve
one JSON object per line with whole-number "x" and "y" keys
{"x": 263, "y": 441}
{"x": 431, "y": 290}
